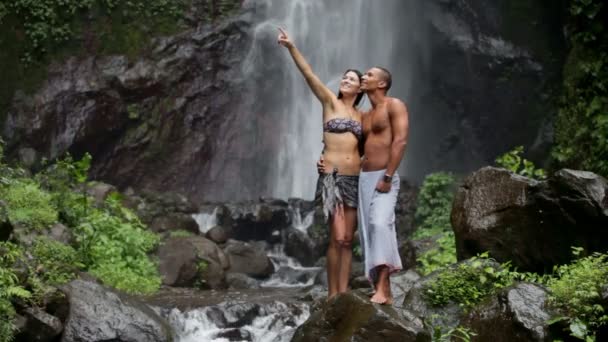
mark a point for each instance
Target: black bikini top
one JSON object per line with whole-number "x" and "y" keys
{"x": 344, "y": 125}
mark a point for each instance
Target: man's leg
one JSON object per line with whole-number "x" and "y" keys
{"x": 383, "y": 287}
{"x": 384, "y": 243}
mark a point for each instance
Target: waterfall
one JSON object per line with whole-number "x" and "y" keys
{"x": 205, "y": 220}
{"x": 333, "y": 35}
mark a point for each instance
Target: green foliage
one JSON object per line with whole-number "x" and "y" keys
{"x": 28, "y": 205}
{"x": 114, "y": 244}
{"x": 60, "y": 179}
{"x": 435, "y": 201}
{"x": 468, "y": 283}
{"x": 455, "y": 334}
{"x": 202, "y": 266}
{"x": 55, "y": 263}
{"x": 51, "y": 22}
{"x": 514, "y": 162}
{"x": 9, "y": 289}
{"x": 358, "y": 251}
{"x": 581, "y": 130}
{"x": 433, "y": 209}
{"x": 575, "y": 290}
{"x": 437, "y": 258}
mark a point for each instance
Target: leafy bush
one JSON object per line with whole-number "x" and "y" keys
{"x": 581, "y": 129}
{"x": 61, "y": 179}
{"x": 9, "y": 289}
{"x": 575, "y": 290}
{"x": 468, "y": 283}
{"x": 28, "y": 205}
{"x": 114, "y": 244}
{"x": 514, "y": 162}
{"x": 437, "y": 258}
{"x": 434, "y": 202}
{"x": 55, "y": 262}
{"x": 433, "y": 209}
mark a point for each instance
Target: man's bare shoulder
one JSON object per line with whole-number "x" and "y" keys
{"x": 393, "y": 101}
{"x": 396, "y": 105}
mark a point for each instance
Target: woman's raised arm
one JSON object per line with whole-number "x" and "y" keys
{"x": 318, "y": 88}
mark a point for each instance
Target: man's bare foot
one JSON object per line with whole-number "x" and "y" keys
{"x": 380, "y": 298}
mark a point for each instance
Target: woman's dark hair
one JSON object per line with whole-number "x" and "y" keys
{"x": 360, "y": 95}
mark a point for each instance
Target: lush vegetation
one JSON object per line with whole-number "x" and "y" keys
{"x": 514, "y": 162}
{"x": 106, "y": 239}
{"x": 581, "y": 132}
{"x": 574, "y": 289}
{"x": 48, "y": 23}
{"x": 9, "y": 288}
{"x": 27, "y": 204}
{"x": 468, "y": 283}
{"x": 432, "y": 217}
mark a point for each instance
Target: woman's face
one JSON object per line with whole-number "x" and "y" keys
{"x": 349, "y": 85}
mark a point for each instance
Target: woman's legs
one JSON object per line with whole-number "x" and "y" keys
{"x": 337, "y": 228}
{"x": 346, "y": 248}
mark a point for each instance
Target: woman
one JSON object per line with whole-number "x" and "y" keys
{"x": 337, "y": 191}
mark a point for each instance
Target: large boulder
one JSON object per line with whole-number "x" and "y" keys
{"x": 174, "y": 222}
{"x": 190, "y": 261}
{"x": 534, "y": 224}
{"x": 516, "y": 314}
{"x": 301, "y": 247}
{"x": 248, "y": 258}
{"x": 260, "y": 220}
{"x": 100, "y": 314}
{"x": 99, "y": 191}
{"x": 352, "y": 317}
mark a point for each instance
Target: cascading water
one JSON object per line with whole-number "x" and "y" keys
{"x": 334, "y": 36}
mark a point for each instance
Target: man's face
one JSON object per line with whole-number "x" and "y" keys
{"x": 371, "y": 80}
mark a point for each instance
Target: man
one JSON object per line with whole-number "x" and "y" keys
{"x": 385, "y": 130}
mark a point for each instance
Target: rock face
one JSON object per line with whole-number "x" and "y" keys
{"x": 491, "y": 73}
{"x": 156, "y": 122}
{"x": 516, "y": 314}
{"x": 351, "y": 317}
{"x": 99, "y": 314}
{"x": 531, "y": 223}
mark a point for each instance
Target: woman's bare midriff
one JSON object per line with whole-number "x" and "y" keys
{"x": 341, "y": 151}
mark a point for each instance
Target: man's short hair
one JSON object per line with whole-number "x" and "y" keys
{"x": 388, "y": 78}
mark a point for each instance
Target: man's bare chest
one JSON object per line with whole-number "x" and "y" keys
{"x": 376, "y": 121}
